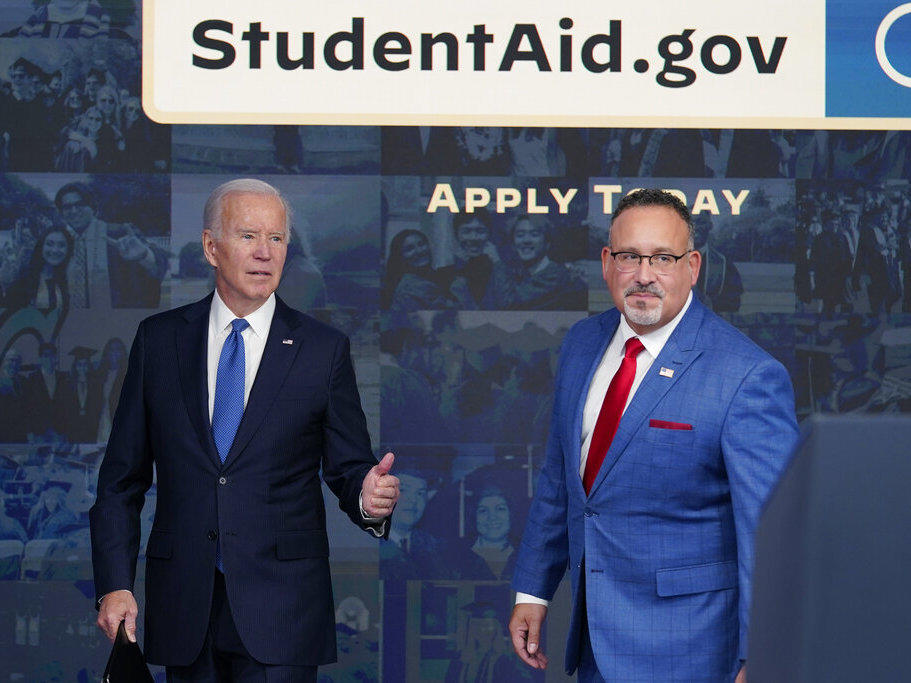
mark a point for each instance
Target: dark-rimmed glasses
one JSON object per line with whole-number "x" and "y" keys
{"x": 662, "y": 264}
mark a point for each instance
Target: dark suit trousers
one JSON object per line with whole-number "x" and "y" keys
{"x": 224, "y": 659}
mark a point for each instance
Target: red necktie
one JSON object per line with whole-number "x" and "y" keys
{"x": 611, "y": 410}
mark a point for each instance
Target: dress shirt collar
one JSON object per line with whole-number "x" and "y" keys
{"x": 655, "y": 340}
{"x": 220, "y": 316}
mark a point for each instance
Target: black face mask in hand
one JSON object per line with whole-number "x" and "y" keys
{"x": 126, "y": 663}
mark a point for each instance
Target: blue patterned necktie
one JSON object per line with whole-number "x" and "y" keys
{"x": 229, "y": 389}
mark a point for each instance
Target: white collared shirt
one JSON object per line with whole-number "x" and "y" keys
{"x": 653, "y": 342}
{"x": 220, "y": 319}
{"x": 610, "y": 362}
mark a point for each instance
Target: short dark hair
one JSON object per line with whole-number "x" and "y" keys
{"x": 652, "y": 196}
{"x": 481, "y": 215}
{"x": 85, "y": 194}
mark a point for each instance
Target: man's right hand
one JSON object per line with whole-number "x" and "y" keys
{"x": 115, "y": 607}
{"x": 525, "y": 629}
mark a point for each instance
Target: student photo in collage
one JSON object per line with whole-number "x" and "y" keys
{"x": 71, "y": 19}
{"x": 459, "y": 512}
{"x": 478, "y": 259}
{"x": 855, "y": 253}
{"x": 456, "y": 630}
{"x": 73, "y": 106}
{"x": 693, "y": 153}
{"x": 265, "y": 150}
{"x": 484, "y": 151}
{"x": 870, "y": 156}
{"x": 483, "y": 375}
{"x": 108, "y": 234}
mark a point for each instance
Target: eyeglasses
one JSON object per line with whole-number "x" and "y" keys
{"x": 662, "y": 264}
{"x": 71, "y": 206}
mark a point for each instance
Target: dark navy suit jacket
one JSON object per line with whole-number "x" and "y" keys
{"x": 264, "y": 503}
{"x": 665, "y": 537}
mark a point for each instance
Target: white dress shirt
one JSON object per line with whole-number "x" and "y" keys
{"x": 254, "y": 336}
{"x": 653, "y": 342}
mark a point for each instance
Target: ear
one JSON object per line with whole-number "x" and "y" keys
{"x": 695, "y": 261}
{"x": 606, "y": 258}
{"x": 208, "y": 247}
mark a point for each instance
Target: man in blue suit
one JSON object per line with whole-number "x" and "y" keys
{"x": 239, "y": 402}
{"x": 653, "y": 512}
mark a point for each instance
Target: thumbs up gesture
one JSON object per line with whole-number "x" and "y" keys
{"x": 380, "y": 490}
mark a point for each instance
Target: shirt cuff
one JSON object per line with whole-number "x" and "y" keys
{"x": 375, "y": 525}
{"x": 98, "y": 601}
{"x": 526, "y": 599}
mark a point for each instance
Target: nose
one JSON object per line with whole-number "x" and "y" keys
{"x": 644, "y": 273}
{"x": 262, "y": 251}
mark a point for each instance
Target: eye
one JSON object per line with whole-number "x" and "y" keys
{"x": 278, "y": 239}
{"x": 663, "y": 259}
{"x": 627, "y": 257}
{"x": 246, "y": 236}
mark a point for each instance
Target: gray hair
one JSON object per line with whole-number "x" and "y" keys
{"x": 211, "y": 215}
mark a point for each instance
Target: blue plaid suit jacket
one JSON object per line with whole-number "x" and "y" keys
{"x": 660, "y": 553}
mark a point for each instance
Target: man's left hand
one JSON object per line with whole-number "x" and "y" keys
{"x": 380, "y": 490}
{"x": 741, "y": 675}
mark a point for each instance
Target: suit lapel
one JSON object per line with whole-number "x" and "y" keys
{"x": 192, "y": 342}
{"x": 273, "y": 368}
{"x": 588, "y": 359}
{"x": 678, "y": 354}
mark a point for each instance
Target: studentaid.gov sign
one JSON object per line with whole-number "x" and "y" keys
{"x": 781, "y": 63}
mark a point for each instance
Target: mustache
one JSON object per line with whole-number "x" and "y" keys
{"x": 651, "y": 288}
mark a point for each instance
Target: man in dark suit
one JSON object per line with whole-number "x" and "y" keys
{"x": 830, "y": 262}
{"x": 113, "y": 265}
{"x": 42, "y": 390}
{"x": 12, "y": 399}
{"x": 669, "y": 429}
{"x": 239, "y": 402}
{"x": 80, "y": 399}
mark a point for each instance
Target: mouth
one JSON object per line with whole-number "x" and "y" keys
{"x": 263, "y": 274}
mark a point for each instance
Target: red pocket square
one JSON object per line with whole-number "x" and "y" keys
{"x": 664, "y": 424}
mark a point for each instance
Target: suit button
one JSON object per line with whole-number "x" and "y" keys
{"x": 212, "y": 535}
{"x": 222, "y": 480}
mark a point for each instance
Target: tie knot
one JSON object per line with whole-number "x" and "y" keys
{"x": 633, "y": 347}
{"x": 239, "y": 325}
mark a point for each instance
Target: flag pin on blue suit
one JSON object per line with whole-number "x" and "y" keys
{"x": 287, "y": 341}
{"x": 666, "y": 372}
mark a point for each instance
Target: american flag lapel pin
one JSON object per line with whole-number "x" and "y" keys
{"x": 287, "y": 341}
{"x": 666, "y": 372}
